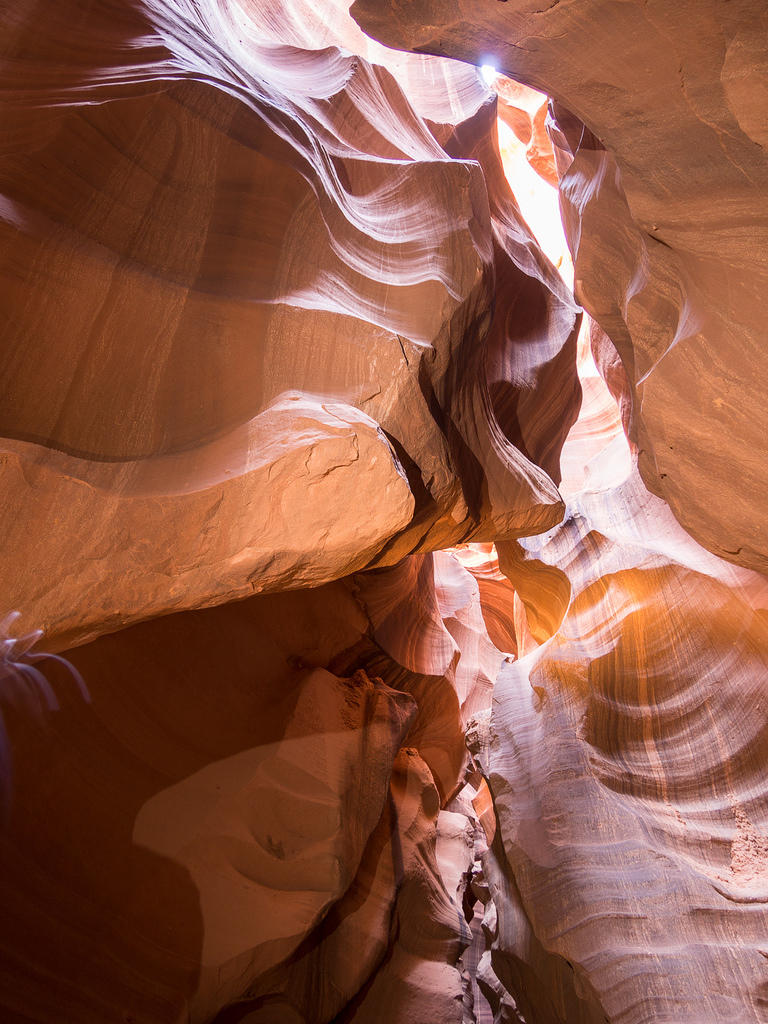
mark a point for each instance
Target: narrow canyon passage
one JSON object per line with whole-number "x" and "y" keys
{"x": 384, "y": 549}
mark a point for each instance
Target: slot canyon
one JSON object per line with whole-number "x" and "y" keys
{"x": 384, "y": 461}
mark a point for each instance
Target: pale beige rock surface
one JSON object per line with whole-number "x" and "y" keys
{"x": 396, "y": 916}
{"x": 625, "y": 755}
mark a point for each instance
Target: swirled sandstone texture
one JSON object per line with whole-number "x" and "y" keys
{"x": 275, "y": 323}
{"x": 266, "y": 322}
{"x": 626, "y": 758}
{"x": 226, "y": 815}
{"x": 664, "y": 193}
{"x": 236, "y": 814}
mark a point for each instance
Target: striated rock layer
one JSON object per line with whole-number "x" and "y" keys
{"x": 244, "y": 279}
{"x": 664, "y": 204}
{"x": 235, "y": 820}
{"x": 626, "y": 757}
{"x": 276, "y": 330}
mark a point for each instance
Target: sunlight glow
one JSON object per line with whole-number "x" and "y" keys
{"x": 489, "y": 73}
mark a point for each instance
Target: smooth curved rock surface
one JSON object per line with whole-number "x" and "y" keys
{"x": 625, "y": 755}
{"x": 212, "y": 815}
{"x": 274, "y": 319}
{"x": 206, "y": 208}
{"x": 427, "y": 637}
{"x": 183, "y": 828}
{"x": 395, "y": 917}
{"x": 665, "y": 210}
{"x": 419, "y": 980}
{"x": 156, "y": 525}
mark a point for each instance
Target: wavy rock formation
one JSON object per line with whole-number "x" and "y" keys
{"x": 625, "y": 755}
{"x": 525, "y": 111}
{"x": 223, "y": 824}
{"x": 214, "y": 222}
{"x": 386, "y": 691}
{"x": 665, "y": 209}
{"x": 155, "y": 524}
{"x": 380, "y": 919}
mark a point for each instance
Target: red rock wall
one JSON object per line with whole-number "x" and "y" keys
{"x": 245, "y": 283}
{"x": 664, "y": 205}
{"x": 281, "y": 363}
